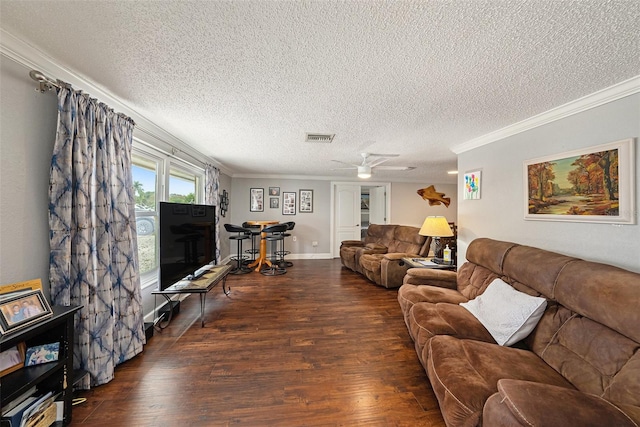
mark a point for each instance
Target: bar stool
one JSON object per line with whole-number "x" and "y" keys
{"x": 242, "y": 234}
{"x": 274, "y": 233}
{"x": 255, "y": 232}
{"x": 283, "y": 253}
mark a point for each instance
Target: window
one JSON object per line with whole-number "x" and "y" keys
{"x": 183, "y": 186}
{"x": 184, "y": 183}
{"x": 145, "y": 185}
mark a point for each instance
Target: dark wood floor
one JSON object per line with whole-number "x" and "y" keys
{"x": 318, "y": 346}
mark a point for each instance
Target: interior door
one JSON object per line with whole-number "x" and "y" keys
{"x": 377, "y": 205}
{"x": 347, "y": 214}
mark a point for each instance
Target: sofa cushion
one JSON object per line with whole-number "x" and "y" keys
{"x": 464, "y": 373}
{"x": 427, "y": 320}
{"x": 509, "y": 315}
{"x": 533, "y": 404}
{"x": 408, "y": 295}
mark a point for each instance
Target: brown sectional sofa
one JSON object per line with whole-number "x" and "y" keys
{"x": 579, "y": 366}
{"x": 379, "y": 256}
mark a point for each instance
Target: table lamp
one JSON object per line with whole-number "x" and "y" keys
{"x": 436, "y": 227}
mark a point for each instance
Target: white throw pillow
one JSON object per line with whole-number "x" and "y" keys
{"x": 509, "y": 315}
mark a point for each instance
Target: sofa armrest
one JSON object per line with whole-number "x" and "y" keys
{"x": 533, "y": 404}
{"x": 352, "y": 243}
{"x": 393, "y": 256}
{"x": 392, "y": 269}
{"x": 375, "y": 248}
{"x": 432, "y": 276}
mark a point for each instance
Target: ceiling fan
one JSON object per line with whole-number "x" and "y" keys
{"x": 370, "y": 161}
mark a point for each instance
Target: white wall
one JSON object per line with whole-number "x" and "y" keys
{"x": 408, "y": 208}
{"x": 27, "y": 134}
{"x": 499, "y": 213}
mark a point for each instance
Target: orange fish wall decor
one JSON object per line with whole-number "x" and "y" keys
{"x": 433, "y": 197}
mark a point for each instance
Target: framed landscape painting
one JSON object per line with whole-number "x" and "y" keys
{"x": 596, "y": 184}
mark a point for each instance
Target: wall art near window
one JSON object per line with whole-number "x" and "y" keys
{"x": 595, "y": 184}
{"x": 274, "y": 202}
{"x": 224, "y": 203}
{"x": 306, "y": 201}
{"x": 23, "y": 309}
{"x": 256, "y": 203}
{"x": 274, "y": 191}
{"x": 472, "y": 181}
{"x": 288, "y": 203}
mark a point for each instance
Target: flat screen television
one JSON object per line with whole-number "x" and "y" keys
{"x": 187, "y": 240}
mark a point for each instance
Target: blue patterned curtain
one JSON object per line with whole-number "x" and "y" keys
{"x": 94, "y": 250}
{"x": 211, "y": 197}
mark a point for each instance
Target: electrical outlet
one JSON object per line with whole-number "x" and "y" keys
{"x": 314, "y": 244}
{"x": 294, "y": 238}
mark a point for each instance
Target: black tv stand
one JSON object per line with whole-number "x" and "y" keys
{"x": 163, "y": 312}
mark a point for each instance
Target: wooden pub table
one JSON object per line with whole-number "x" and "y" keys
{"x": 201, "y": 286}
{"x": 262, "y": 258}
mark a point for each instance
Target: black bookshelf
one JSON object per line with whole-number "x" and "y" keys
{"x": 54, "y": 376}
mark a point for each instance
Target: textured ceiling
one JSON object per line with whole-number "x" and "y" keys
{"x": 242, "y": 81}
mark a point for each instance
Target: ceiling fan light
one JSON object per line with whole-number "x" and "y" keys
{"x": 364, "y": 172}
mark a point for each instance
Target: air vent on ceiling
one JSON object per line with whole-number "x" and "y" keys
{"x": 319, "y": 137}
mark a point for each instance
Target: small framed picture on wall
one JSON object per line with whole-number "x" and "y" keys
{"x": 274, "y": 202}
{"x": 256, "y": 202}
{"x": 288, "y": 203}
{"x": 306, "y": 201}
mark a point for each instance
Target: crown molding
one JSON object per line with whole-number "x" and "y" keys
{"x": 604, "y": 96}
{"x": 145, "y": 130}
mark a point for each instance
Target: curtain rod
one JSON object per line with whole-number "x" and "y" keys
{"x": 46, "y": 83}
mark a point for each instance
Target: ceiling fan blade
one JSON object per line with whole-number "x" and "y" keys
{"x": 377, "y": 162}
{"x": 353, "y": 165}
{"x": 382, "y": 155}
{"x": 395, "y": 168}
{"x": 344, "y": 169}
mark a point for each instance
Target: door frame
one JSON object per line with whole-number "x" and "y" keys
{"x": 387, "y": 186}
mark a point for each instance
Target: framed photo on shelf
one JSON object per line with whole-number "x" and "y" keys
{"x": 288, "y": 203}
{"x": 39, "y": 354}
{"x": 256, "y": 202}
{"x": 274, "y": 202}
{"x": 274, "y": 191}
{"x": 29, "y": 285}
{"x": 22, "y": 310}
{"x": 306, "y": 201}
{"x": 12, "y": 359}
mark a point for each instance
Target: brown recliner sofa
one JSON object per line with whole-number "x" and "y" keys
{"x": 379, "y": 256}
{"x": 579, "y": 366}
